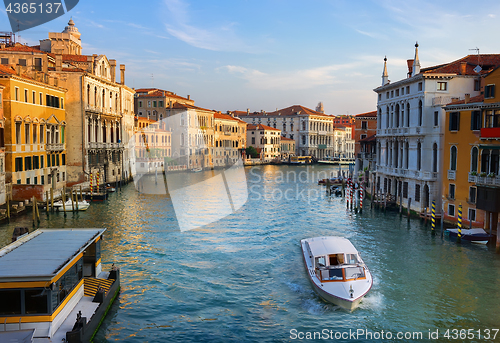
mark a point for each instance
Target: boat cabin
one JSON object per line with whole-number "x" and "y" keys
{"x": 330, "y": 264}
{"x": 42, "y": 277}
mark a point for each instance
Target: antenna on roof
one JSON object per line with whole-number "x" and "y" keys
{"x": 478, "y": 68}
{"x": 152, "y": 81}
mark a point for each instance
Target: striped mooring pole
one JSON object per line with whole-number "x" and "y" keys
{"x": 91, "y": 185}
{"x": 97, "y": 183}
{"x": 361, "y": 198}
{"x": 352, "y": 193}
{"x": 433, "y": 213}
{"x": 459, "y": 236}
{"x": 347, "y": 193}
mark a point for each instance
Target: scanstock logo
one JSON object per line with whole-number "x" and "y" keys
{"x": 25, "y": 14}
{"x": 204, "y": 179}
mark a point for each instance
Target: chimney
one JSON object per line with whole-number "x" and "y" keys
{"x": 248, "y": 111}
{"x": 90, "y": 61}
{"x": 467, "y": 98}
{"x": 463, "y": 68}
{"x": 58, "y": 62}
{"x": 189, "y": 97}
{"x": 112, "y": 63}
{"x": 122, "y": 74}
{"x": 410, "y": 67}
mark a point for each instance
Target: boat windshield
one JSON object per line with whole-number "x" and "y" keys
{"x": 354, "y": 272}
{"x": 351, "y": 258}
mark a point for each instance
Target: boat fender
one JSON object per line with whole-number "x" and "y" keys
{"x": 352, "y": 292}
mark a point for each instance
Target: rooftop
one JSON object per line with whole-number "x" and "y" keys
{"x": 260, "y": 127}
{"x": 44, "y": 252}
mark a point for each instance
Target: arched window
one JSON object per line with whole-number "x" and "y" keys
{"x": 473, "y": 159}
{"x": 434, "y": 157}
{"x": 419, "y": 156}
{"x": 407, "y": 154}
{"x": 387, "y": 117}
{"x": 453, "y": 158}
{"x": 379, "y": 119}
{"x": 420, "y": 113}
{"x": 396, "y": 115}
{"x": 88, "y": 94}
{"x": 408, "y": 115}
{"x": 386, "y": 153}
{"x": 103, "y": 98}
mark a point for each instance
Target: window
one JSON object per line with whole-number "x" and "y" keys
{"x": 154, "y": 103}
{"x": 27, "y": 163}
{"x": 36, "y": 163}
{"x": 451, "y": 191}
{"x": 22, "y": 62}
{"x": 379, "y": 96}
{"x": 420, "y": 86}
{"x": 436, "y": 118}
{"x": 473, "y": 159}
{"x": 18, "y": 133}
{"x": 25, "y": 95}
{"x": 451, "y": 210}
{"x": 62, "y": 103}
{"x": 41, "y": 133}
{"x": 441, "y": 86}
{"x": 33, "y": 98}
{"x": 472, "y": 215}
{"x": 420, "y": 113}
{"x": 4, "y": 61}
{"x": 453, "y": 158}
{"x": 364, "y": 125}
{"x": 397, "y": 92}
{"x": 11, "y": 302}
{"x": 434, "y": 158}
{"x": 454, "y": 121}
{"x": 475, "y": 120}
{"x": 405, "y": 190}
{"x": 419, "y": 156}
{"x": 40, "y": 98}
{"x": 149, "y": 103}
{"x": 489, "y": 91}
{"x": 160, "y": 103}
{"x": 19, "y": 164}
{"x": 362, "y": 136}
{"x": 16, "y": 93}
{"x": 26, "y": 133}
{"x": 417, "y": 193}
{"x": 472, "y": 194}
{"x": 38, "y": 64}
{"x": 477, "y": 85}
{"x": 387, "y": 95}
{"x": 407, "y": 89}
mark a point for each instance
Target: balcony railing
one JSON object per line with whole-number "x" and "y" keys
{"x": 472, "y": 178}
{"x": 102, "y": 145}
{"x": 452, "y": 174}
{"x": 54, "y": 147}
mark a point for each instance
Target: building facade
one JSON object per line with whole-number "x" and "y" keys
{"x": 35, "y": 132}
{"x": 267, "y": 141}
{"x": 365, "y": 141}
{"x": 311, "y": 130}
{"x": 411, "y": 119}
{"x": 230, "y": 139}
{"x": 471, "y": 163}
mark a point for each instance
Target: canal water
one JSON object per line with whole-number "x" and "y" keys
{"x": 242, "y": 279}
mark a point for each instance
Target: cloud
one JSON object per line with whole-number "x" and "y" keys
{"x": 219, "y": 38}
{"x": 292, "y": 80}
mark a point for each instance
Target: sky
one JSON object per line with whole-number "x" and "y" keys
{"x": 271, "y": 54}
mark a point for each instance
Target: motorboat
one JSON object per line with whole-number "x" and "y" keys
{"x": 196, "y": 170}
{"x": 478, "y": 235}
{"x": 332, "y": 181}
{"x": 68, "y": 206}
{"x": 336, "y": 271}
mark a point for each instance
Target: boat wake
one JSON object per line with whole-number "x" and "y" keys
{"x": 310, "y": 301}
{"x": 373, "y": 301}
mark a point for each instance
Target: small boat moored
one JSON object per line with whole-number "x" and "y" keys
{"x": 336, "y": 271}
{"x": 69, "y": 206}
{"x": 478, "y": 236}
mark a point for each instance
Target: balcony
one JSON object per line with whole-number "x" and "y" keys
{"x": 490, "y": 132}
{"x": 54, "y": 147}
{"x": 488, "y": 181}
{"x": 101, "y": 145}
{"x": 452, "y": 174}
{"x": 472, "y": 178}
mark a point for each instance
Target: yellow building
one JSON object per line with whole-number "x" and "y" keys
{"x": 471, "y": 171}
{"x": 34, "y": 135}
{"x": 230, "y": 139}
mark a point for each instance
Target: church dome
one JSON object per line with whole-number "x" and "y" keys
{"x": 72, "y": 29}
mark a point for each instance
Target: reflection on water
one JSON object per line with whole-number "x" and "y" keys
{"x": 242, "y": 279}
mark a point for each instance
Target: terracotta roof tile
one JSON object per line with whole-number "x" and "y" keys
{"x": 367, "y": 114}
{"x": 260, "y": 127}
{"x": 474, "y": 99}
{"x": 488, "y": 62}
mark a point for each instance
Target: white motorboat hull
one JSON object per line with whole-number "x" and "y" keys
{"x": 346, "y": 294}
{"x": 82, "y": 206}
